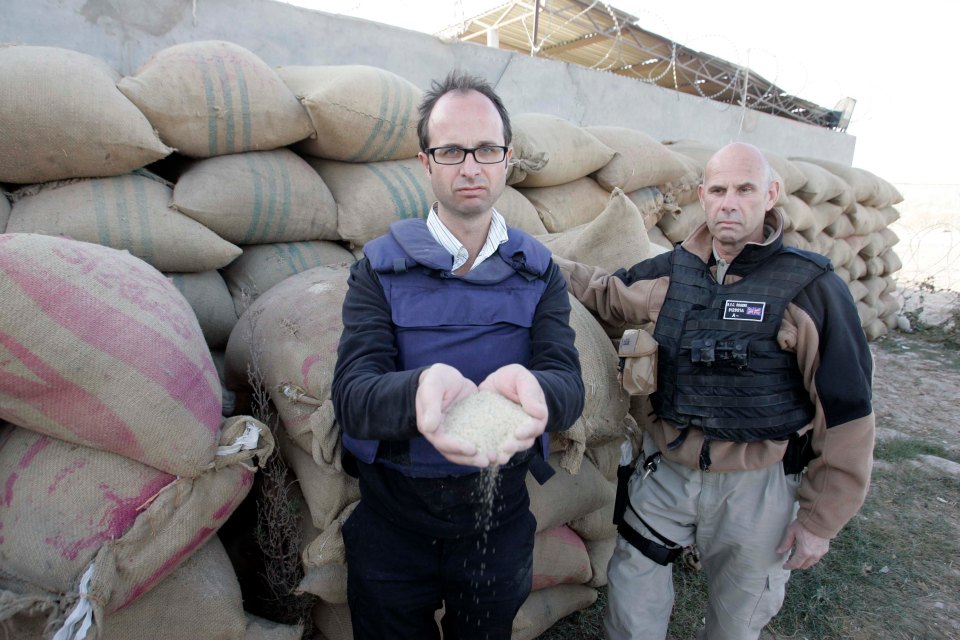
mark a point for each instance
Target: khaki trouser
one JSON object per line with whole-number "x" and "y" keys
{"x": 737, "y": 520}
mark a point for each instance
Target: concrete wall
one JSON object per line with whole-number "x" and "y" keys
{"x": 125, "y": 33}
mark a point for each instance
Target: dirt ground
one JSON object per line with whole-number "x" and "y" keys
{"x": 916, "y": 389}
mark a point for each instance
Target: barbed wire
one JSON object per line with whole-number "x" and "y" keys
{"x": 930, "y": 255}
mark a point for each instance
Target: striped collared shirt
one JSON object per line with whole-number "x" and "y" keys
{"x": 496, "y": 236}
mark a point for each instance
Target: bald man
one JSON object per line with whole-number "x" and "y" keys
{"x": 761, "y": 446}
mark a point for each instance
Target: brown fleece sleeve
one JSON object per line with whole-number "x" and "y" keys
{"x": 609, "y": 297}
{"x": 837, "y": 479}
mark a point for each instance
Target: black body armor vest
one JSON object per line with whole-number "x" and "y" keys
{"x": 720, "y": 367}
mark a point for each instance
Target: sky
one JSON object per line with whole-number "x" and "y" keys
{"x": 895, "y": 59}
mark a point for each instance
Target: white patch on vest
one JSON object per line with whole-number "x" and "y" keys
{"x": 743, "y": 310}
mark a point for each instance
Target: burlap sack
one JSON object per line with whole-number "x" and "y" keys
{"x": 600, "y": 552}
{"x": 866, "y": 186}
{"x": 641, "y": 161}
{"x": 199, "y": 599}
{"x": 701, "y": 152}
{"x": 876, "y": 329}
{"x": 616, "y": 239}
{"x": 800, "y": 217}
{"x": 677, "y": 226}
{"x": 210, "y": 300}
{"x": 606, "y": 404}
{"x": 843, "y": 273}
{"x": 839, "y": 251}
{"x": 325, "y": 562}
{"x": 873, "y": 245}
{"x": 888, "y": 305}
{"x": 825, "y": 214}
{"x": 891, "y": 262}
{"x": 857, "y": 267}
{"x": 264, "y": 265}
{"x": 795, "y": 239}
{"x": 866, "y": 219}
{"x": 841, "y": 227}
{"x": 542, "y": 609}
{"x": 359, "y": 113}
{"x": 792, "y": 178}
{"x": 95, "y": 531}
{"x": 822, "y": 185}
{"x": 605, "y": 456}
{"x": 289, "y": 337}
{"x": 258, "y": 197}
{"x": 867, "y": 313}
{"x": 559, "y": 557}
{"x": 890, "y": 237}
{"x": 889, "y": 214}
{"x": 371, "y": 196}
{"x": 649, "y": 202}
{"x": 327, "y": 490}
{"x": 332, "y": 620}
{"x": 210, "y": 98}
{"x": 858, "y": 290}
{"x": 128, "y": 212}
{"x": 565, "y": 206}
{"x": 518, "y": 212}
{"x": 657, "y": 239}
{"x": 683, "y": 191}
{"x": 5, "y": 212}
{"x": 568, "y": 496}
{"x": 874, "y": 266}
{"x": 63, "y": 117}
{"x": 875, "y": 287}
{"x": 101, "y": 349}
{"x": 569, "y": 150}
{"x": 596, "y": 525}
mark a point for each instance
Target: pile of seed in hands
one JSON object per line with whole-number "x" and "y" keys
{"x": 486, "y": 418}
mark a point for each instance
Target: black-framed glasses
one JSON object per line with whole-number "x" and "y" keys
{"x": 487, "y": 154}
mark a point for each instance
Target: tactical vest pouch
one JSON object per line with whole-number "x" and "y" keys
{"x": 637, "y": 369}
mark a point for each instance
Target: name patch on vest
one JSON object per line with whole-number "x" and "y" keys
{"x": 743, "y": 310}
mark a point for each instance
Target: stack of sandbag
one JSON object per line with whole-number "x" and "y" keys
{"x": 63, "y": 117}
{"x": 232, "y": 117}
{"x": 117, "y": 461}
{"x": 552, "y": 161}
{"x": 858, "y": 238}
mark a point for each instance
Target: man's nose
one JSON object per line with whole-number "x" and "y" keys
{"x": 470, "y": 166}
{"x": 729, "y": 202}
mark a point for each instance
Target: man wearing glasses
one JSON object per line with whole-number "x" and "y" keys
{"x": 437, "y": 309}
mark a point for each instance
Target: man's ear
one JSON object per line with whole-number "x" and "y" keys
{"x": 773, "y": 193}
{"x": 425, "y": 161}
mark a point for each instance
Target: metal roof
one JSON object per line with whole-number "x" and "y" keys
{"x": 598, "y": 36}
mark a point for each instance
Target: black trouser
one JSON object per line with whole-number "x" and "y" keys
{"x": 397, "y": 579}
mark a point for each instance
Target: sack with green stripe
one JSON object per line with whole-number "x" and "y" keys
{"x": 212, "y": 303}
{"x": 265, "y": 265}
{"x": 211, "y": 98}
{"x": 129, "y": 212}
{"x": 360, "y": 113}
{"x": 258, "y": 197}
{"x": 63, "y": 117}
{"x": 373, "y": 195}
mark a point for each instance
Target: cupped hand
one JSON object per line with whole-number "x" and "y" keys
{"x": 517, "y": 383}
